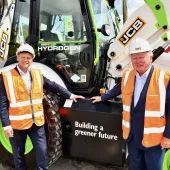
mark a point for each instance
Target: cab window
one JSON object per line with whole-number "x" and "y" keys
{"x": 103, "y": 15}
{"x": 20, "y": 26}
{"x": 63, "y": 37}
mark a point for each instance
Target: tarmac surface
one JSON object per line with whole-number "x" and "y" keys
{"x": 74, "y": 164}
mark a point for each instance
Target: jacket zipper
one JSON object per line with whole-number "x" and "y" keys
{"x": 31, "y": 105}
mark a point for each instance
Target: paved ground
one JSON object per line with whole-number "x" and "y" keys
{"x": 73, "y": 164}
{"x": 68, "y": 164}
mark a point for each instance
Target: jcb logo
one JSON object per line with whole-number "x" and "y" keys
{"x": 3, "y": 45}
{"x": 131, "y": 31}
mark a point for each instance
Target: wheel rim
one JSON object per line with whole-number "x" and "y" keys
{"x": 6, "y": 143}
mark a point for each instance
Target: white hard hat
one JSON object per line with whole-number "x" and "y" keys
{"x": 139, "y": 45}
{"x": 26, "y": 48}
{"x": 61, "y": 57}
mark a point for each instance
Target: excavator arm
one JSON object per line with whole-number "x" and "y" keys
{"x": 151, "y": 21}
{"x": 7, "y": 8}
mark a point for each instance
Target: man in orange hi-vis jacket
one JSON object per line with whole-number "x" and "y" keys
{"x": 21, "y": 109}
{"x": 146, "y": 108}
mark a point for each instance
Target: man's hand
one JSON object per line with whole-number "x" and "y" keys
{"x": 74, "y": 97}
{"x": 96, "y": 99}
{"x": 165, "y": 143}
{"x": 9, "y": 132}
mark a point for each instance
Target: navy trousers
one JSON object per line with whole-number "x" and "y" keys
{"x": 38, "y": 138}
{"x": 150, "y": 159}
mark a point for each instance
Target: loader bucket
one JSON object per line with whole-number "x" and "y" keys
{"x": 166, "y": 163}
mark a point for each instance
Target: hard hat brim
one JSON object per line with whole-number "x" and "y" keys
{"x": 139, "y": 51}
{"x": 17, "y": 53}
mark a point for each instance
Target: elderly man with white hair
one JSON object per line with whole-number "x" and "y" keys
{"x": 146, "y": 108}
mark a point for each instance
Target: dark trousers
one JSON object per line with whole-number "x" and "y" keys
{"x": 150, "y": 159}
{"x": 38, "y": 138}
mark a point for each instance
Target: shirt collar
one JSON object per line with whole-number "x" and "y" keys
{"x": 145, "y": 74}
{"x": 21, "y": 72}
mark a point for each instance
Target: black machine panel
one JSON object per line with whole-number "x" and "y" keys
{"x": 94, "y": 132}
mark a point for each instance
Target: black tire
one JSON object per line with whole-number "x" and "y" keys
{"x": 53, "y": 126}
{"x": 53, "y": 133}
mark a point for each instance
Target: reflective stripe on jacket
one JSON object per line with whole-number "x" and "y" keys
{"x": 24, "y": 106}
{"x": 154, "y": 121}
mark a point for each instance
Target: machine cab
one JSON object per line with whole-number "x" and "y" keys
{"x": 68, "y": 36}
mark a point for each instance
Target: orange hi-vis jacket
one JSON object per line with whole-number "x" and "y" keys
{"x": 154, "y": 121}
{"x": 24, "y": 107}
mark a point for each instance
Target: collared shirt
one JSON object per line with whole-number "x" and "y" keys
{"x": 26, "y": 77}
{"x": 139, "y": 84}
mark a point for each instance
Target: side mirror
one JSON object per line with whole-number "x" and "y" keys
{"x": 105, "y": 29}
